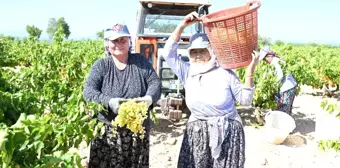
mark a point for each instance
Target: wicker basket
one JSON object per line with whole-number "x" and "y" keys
{"x": 233, "y": 34}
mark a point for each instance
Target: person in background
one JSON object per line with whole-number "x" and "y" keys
{"x": 120, "y": 75}
{"x": 287, "y": 92}
{"x": 214, "y": 135}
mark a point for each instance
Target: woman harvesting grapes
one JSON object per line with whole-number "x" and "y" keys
{"x": 214, "y": 135}
{"x": 113, "y": 79}
{"x": 286, "y": 94}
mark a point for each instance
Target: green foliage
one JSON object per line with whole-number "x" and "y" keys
{"x": 310, "y": 64}
{"x": 161, "y": 27}
{"x": 329, "y": 144}
{"x": 265, "y": 85}
{"x": 334, "y": 144}
{"x": 332, "y": 109}
{"x": 43, "y": 115}
{"x": 54, "y": 25}
{"x": 279, "y": 43}
{"x": 100, "y": 35}
{"x": 7, "y": 57}
{"x": 33, "y": 31}
{"x": 263, "y": 41}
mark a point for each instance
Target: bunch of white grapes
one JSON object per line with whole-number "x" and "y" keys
{"x": 131, "y": 115}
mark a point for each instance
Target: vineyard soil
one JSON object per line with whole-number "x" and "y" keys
{"x": 42, "y": 110}
{"x": 167, "y": 137}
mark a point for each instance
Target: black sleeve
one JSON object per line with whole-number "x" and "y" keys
{"x": 93, "y": 84}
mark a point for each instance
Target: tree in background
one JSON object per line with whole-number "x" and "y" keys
{"x": 100, "y": 34}
{"x": 160, "y": 27}
{"x": 279, "y": 43}
{"x": 263, "y": 41}
{"x": 33, "y": 31}
{"x": 54, "y": 24}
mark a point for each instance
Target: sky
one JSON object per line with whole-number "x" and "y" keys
{"x": 297, "y": 21}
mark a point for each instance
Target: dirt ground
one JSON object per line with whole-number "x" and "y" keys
{"x": 300, "y": 150}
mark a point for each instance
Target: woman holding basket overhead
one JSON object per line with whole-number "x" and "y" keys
{"x": 214, "y": 136}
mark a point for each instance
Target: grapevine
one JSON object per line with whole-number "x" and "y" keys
{"x": 323, "y": 145}
{"x": 43, "y": 114}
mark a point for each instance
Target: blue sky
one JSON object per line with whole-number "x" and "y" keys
{"x": 288, "y": 20}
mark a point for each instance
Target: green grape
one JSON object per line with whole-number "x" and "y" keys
{"x": 132, "y": 115}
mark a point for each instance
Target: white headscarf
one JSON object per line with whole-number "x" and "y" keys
{"x": 200, "y": 68}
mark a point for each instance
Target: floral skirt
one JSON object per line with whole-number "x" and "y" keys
{"x": 286, "y": 99}
{"x": 119, "y": 151}
{"x": 195, "y": 151}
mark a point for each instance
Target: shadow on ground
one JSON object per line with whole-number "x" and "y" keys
{"x": 247, "y": 115}
{"x": 317, "y": 93}
{"x": 304, "y": 124}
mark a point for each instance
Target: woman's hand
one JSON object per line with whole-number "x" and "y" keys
{"x": 190, "y": 19}
{"x": 249, "y": 81}
{"x": 114, "y": 104}
{"x": 255, "y": 59}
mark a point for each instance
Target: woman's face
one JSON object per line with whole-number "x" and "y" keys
{"x": 201, "y": 55}
{"x": 269, "y": 58}
{"x": 119, "y": 46}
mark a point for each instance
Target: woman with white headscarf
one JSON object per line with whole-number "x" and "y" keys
{"x": 286, "y": 93}
{"x": 214, "y": 136}
{"x": 119, "y": 76}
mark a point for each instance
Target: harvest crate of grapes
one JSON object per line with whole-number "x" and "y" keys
{"x": 233, "y": 34}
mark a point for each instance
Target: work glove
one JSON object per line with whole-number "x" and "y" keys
{"x": 147, "y": 99}
{"x": 114, "y": 104}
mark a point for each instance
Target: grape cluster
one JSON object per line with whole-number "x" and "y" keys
{"x": 131, "y": 115}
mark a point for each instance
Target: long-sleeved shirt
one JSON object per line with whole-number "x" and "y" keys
{"x": 210, "y": 96}
{"x": 106, "y": 81}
